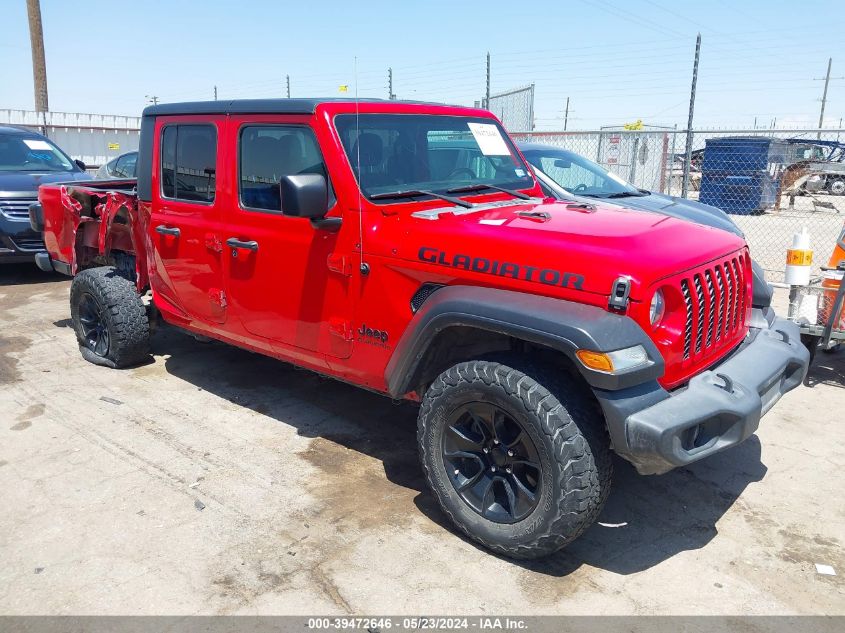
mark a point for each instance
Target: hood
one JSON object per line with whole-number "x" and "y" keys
{"x": 23, "y": 182}
{"x": 567, "y": 246}
{"x": 682, "y": 209}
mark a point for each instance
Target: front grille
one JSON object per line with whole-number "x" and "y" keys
{"x": 28, "y": 243}
{"x": 17, "y": 208}
{"x": 715, "y": 301}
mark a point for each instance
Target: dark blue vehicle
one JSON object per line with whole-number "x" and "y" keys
{"x": 566, "y": 175}
{"x": 27, "y": 160}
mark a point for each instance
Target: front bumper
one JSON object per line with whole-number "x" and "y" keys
{"x": 657, "y": 430}
{"x": 18, "y": 242}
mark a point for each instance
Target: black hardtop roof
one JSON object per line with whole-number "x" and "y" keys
{"x": 258, "y": 106}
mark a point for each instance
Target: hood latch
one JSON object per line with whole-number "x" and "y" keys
{"x": 619, "y": 294}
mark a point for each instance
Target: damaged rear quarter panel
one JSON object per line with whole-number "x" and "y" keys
{"x": 86, "y": 222}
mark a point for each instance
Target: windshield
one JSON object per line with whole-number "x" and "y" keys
{"x": 28, "y": 154}
{"x": 429, "y": 153}
{"x": 578, "y": 175}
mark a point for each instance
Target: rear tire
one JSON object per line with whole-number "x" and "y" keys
{"x": 562, "y": 433}
{"x": 837, "y": 187}
{"x": 109, "y": 318}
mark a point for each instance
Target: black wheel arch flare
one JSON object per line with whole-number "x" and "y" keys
{"x": 553, "y": 323}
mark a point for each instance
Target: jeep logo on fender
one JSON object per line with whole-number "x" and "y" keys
{"x": 369, "y": 335}
{"x": 547, "y": 276}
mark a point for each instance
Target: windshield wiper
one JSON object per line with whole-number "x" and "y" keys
{"x": 482, "y": 187}
{"x": 626, "y": 194}
{"x": 413, "y": 193}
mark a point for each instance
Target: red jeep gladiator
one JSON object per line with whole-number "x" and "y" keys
{"x": 407, "y": 248}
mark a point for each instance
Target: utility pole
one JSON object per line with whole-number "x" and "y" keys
{"x": 152, "y": 99}
{"x": 826, "y": 80}
{"x": 39, "y": 65}
{"x": 566, "y": 115}
{"x": 487, "y": 91}
{"x": 688, "y": 157}
{"x": 215, "y": 93}
{"x": 287, "y": 83}
{"x": 824, "y": 94}
{"x": 390, "y": 94}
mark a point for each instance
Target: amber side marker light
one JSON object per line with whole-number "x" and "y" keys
{"x": 614, "y": 362}
{"x": 595, "y": 360}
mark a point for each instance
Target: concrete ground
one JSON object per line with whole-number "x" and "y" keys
{"x": 213, "y": 480}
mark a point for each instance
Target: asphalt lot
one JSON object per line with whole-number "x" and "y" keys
{"x": 213, "y": 480}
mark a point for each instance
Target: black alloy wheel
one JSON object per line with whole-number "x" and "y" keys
{"x": 95, "y": 332}
{"x": 492, "y": 462}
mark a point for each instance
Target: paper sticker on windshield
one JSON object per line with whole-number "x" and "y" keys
{"x": 520, "y": 173}
{"x": 36, "y": 144}
{"x": 489, "y": 139}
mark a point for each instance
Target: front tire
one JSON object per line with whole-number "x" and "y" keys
{"x": 519, "y": 468}
{"x": 109, "y": 318}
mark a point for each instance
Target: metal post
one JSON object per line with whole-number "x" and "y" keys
{"x": 39, "y": 65}
{"x": 390, "y": 94}
{"x": 635, "y": 147}
{"x": 215, "y": 93}
{"x": 688, "y": 157}
{"x": 287, "y": 84}
{"x": 531, "y": 111}
{"x": 566, "y": 115}
{"x": 487, "y": 90}
{"x": 672, "y": 164}
{"x": 824, "y": 96}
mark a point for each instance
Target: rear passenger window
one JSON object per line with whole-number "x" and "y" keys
{"x": 269, "y": 152}
{"x": 189, "y": 162}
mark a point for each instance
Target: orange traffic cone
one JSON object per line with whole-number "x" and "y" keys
{"x": 830, "y": 282}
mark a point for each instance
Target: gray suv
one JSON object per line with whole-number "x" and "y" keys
{"x": 27, "y": 160}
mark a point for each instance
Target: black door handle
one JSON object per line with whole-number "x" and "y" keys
{"x": 167, "y": 230}
{"x": 234, "y": 242}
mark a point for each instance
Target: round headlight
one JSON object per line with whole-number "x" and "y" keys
{"x": 657, "y": 309}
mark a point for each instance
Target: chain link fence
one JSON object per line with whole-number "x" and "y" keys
{"x": 771, "y": 182}
{"x": 515, "y": 108}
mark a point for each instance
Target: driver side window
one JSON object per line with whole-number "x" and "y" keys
{"x": 267, "y": 153}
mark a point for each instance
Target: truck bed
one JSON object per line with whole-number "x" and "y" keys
{"x": 87, "y": 222}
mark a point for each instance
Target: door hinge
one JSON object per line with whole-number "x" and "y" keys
{"x": 217, "y": 296}
{"x": 339, "y": 264}
{"x": 213, "y": 243}
{"x": 341, "y": 329}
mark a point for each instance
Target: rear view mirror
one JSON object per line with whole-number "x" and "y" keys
{"x": 562, "y": 163}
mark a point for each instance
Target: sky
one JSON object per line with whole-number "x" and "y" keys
{"x": 617, "y": 61}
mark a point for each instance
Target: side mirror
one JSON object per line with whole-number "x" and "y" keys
{"x": 304, "y": 195}
{"x": 307, "y": 196}
{"x": 80, "y": 164}
{"x": 562, "y": 163}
